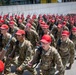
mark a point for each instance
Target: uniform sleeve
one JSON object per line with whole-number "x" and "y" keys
{"x": 72, "y": 52}
{"x": 58, "y": 61}
{"x": 36, "y": 58}
{"x": 53, "y": 41}
{"x": 28, "y": 55}
{"x": 36, "y": 36}
{"x": 12, "y": 45}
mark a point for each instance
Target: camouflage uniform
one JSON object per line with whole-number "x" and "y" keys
{"x": 47, "y": 66}
{"x": 66, "y": 51}
{"x": 47, "y": 31}
{"x": 4, "y": 43}
{"x": 53, "y": 43}
{"x": 73, "y": 37}
{"x": 11, "y": 30}
{"x": 59, "y": 31}
{"x": 65, "y": 28}
{"x": 21, "y": 26}
{"x": 33, "y": 37}
{"x": 21, "y": 55}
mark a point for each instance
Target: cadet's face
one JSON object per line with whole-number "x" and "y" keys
{"x": 45, "y": 46}
{"x": 59, "y": 29}
{"x": 19, "y": 37}
{"x": 11, "y": 26}
{"x": 74, "y": 32}
{"x": 64, "y": 37}
{"x": 45, "y": 30}
{"x": 3, "y": 31}
{"x": 27, "y": 28}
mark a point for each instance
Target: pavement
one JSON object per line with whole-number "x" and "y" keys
{"x": 71, "y": 71}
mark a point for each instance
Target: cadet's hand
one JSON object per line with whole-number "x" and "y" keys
{"x": 9, "y": 58}
{"x": 19, "y": 69}
{"x": 29, "y": 65}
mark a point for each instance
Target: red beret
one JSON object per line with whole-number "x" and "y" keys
{"x": 11, "y": 17}
{"x": 20, "y": 20}
{"x": 20, "y": 32}
{"x": 72, "y": 22}
{"x": 52, "y": 21}
{"x": 59, "y": 26}
{"x": 28, "y": 16}
{"x": 64, "y": 22}
{"x": 18, "y": 17}
{"x": 4, "y": 16}
{"x": 74, "y": 29}
{"x": 34, "y": 16}
{"x": 45, "y": 26}
{"x": 0, "y": 16}
{"x": 40, "y": 20}
{"x": 42, "y": 23}
{"x": 65, "y": 33}
{"x": 4, "y": 26}
{"x": 28, "y": 25}
{"x": 11, "y": 23}
{"x": 2, "y": 21}
{"x": 46, "y": 39}
{"x": 15, "y": 15}
{"x": 22, "y": 15}
{"x": 1, "y": 66}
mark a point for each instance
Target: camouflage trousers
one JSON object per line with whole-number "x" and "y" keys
{"x": 41, "y": 71}
{"x": 65, "y": 61}
{"x": 16, "y": 63}
{"x": 7, "y": 65}
{"x": 47, "y": 72}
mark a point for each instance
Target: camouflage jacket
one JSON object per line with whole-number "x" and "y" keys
{"x": 32, "y": 36}
{"x": 66, "y": 48}
{"x": 48, "y": 59}
{"x": 5, "y": 41}
{"x": 23, "y": 51}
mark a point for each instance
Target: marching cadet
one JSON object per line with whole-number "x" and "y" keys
{"x": 64, "y": 26}
{"x": 21, "y": 54}
{"x": 12, "y": 27}
{"x": 60, "y": 28}
{"x": 4, "y": 40}
{"x": 1, "y": 22}
{"x": 6, "y": 21}
{"x": 28, "y": 17}
{"x": 20, "y": 24}
{"x": 66, "y": 48}
{"x": 47, "y": 31}
{"x": 35, "y": 20}
{"x": 31, "y": 21}
{"x": 49, "y": 57}
{"x": 31, "y": 35}
{"x": 58, "y": 33}
{"x": 73, "y": 37}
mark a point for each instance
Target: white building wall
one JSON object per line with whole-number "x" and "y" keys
{"x": 53, "y": 8}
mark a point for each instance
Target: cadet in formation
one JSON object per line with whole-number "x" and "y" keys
{"x": 21, "y": 54}
{"x": 66, "y": 48}
{"x": 48, "y": 57}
